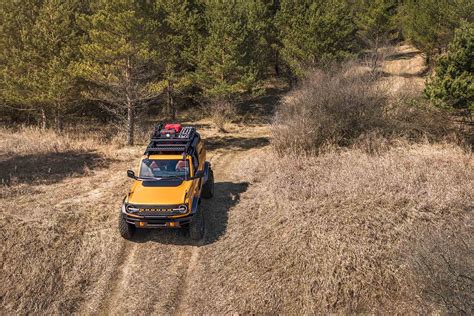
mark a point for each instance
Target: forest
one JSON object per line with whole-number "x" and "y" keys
{"x": 113, "y": 61}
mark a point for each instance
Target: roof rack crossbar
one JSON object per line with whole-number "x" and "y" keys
{"x": 167, "y": 145}
{"x": 178, "y": 140}
{"x": 164, "y": 149}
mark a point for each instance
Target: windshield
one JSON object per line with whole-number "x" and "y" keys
{"x": 164, "y": 168}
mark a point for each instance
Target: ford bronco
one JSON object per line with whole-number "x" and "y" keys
{"x": 172, "y": 178}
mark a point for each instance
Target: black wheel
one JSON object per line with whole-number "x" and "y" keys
{"x": 208, "y": 187}
{"x": 126, "y": 230}
{"x": 197, "y": 226}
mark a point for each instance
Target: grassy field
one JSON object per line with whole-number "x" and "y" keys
{"x": 347, "y": 232}
{"x": 369, "y": 220}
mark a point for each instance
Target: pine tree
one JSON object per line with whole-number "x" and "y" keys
{"x": 452, "y": 85}
{"x": 314, "y": 33}
{"x": 262, "y": 38}
{"x": 430, "y": 24}
{"x": 181, "y": 35}
{"x": 120, "y": 61}
{"x": 225, "y": 66}
{"x": 40, "y": 43}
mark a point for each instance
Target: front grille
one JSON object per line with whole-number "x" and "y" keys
{"x": 154, "y": 210}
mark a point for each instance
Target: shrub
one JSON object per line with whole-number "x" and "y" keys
{"x": 343, "y": 105}
{"x": 327, "y": 109}
{"x": 222, "y": 113}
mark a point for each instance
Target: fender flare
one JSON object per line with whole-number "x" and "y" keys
{"x": 207, "y": 168}
{"x": 194, "y": 206}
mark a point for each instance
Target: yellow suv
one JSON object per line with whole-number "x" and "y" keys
{"x": 173, "y": 176}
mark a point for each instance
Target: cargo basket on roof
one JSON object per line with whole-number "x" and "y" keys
{"x": 173, "y": 138}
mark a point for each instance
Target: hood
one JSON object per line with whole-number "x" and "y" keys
{"x": 159, "y": 192}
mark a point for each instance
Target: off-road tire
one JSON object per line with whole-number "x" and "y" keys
{"x": 197, "y": 226}
{"x": 126, "y": 230}
{"x": 208, "y": 187}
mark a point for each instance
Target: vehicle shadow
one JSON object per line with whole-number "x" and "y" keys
{"x": 48, "y": 168}
{"x": 226, "y": 195}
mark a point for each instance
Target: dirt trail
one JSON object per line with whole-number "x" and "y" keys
{"x": 155, "y": 271}
{"x": 405, "y": 68}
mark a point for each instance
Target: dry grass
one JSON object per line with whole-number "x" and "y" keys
{"x": 60, "y": 197}
{"x": 30, "y": 155}
{"x": 27, "y": 140}
{"x": 342, "y": 106}
{"x": 440, "y": 262}
{"x": 329, "y": 234}
{"x": 222, "y": 113}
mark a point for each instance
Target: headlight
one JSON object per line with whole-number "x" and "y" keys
{"x": 131, "y": 209}
{"x": 182, "y": 209}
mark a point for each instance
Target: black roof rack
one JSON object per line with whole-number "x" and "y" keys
{"x": 168, "y": 140}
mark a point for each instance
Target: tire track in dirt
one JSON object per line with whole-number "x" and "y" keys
{"x": 221, "y": 165}
{"x": 165, "y": 251}
{"x": 183, "y": 285}
{"x": 156, "y": 271}
{"x": 120, "y": 279}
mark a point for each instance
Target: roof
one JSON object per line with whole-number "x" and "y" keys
{"x": 170, "y": 141}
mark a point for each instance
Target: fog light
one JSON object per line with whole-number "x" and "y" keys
{"x": 141, "y": 224}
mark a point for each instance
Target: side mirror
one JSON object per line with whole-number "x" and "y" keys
{"x": 131, "y": 174}
{"x": 199, "y": 174}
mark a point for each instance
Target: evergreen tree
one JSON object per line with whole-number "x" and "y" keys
{"x": 181, "y": 35}
{"x": 430, "y": 24}
{"x": 262, "y": 39}
{"x": 452, "y": 84}
{"x": 40, "y": 42}
{"x": 225, "y": 64}
{"x": 120, "y": 57}
{"x": 314, "y": 33}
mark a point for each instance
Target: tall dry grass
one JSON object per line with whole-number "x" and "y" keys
{"x": 29, "y": 139}
{"x": 363, "y": 205}
{"x": 60, "y": 196}
{"x": 343, "y": 232}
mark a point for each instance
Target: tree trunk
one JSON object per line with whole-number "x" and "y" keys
{"x": 130, "y": 104}
{"x": 170, "y": 101}
{"x": 130, "y": 123}
{"x": 43, "y": 119}
{"x": 58, "y": 120}
{"x": 277, "y": 65}
{"x": 223, "y": 63}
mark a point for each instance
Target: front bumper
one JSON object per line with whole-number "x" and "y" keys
{"x": 159, "y": 221}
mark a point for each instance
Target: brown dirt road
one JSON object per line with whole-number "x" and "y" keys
{"x": 154, "y": 271}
